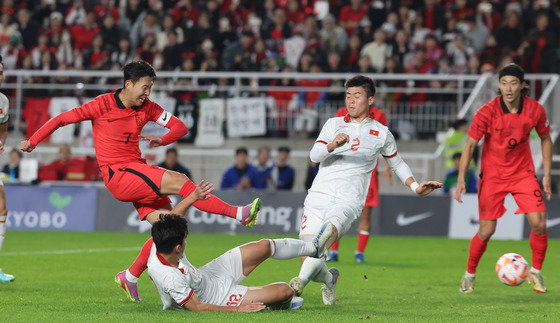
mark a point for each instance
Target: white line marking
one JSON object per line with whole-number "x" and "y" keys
{"x": 63, "y": 252}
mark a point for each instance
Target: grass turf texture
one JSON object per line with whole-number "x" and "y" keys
{"x": 403, "y": 279}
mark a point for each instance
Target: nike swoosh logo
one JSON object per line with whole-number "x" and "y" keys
{"x": 109, "y": 120}
{"x": 164, "y": 117}
{"x": 552, "y": 222}
{"x": 499, "y": 129}
{"x": 403, "y": 220}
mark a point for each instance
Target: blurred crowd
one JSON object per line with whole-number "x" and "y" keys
{"x": 406, "y": 36}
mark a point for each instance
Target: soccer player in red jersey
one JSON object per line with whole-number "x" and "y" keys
{"x": 372, "y": 199}
{"x": 505, "y": 122}
{"x": 118, "y": 119}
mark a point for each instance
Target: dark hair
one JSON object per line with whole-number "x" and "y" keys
{"x": 515, "y": 70}
{"x": 171, "y": 150}
{"x": 241, "y": 150}
{"x": 364, "y": 82}
{"x": 459, "y": 123}
{"x": 136, "y": 70}
{"x": 284, "y": 149}
{"x": 170, "y": 231}
{"x": 15, "y": 150}
{"x": 456, "y": 156}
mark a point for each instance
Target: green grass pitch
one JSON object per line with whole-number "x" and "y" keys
{"x": 404, "y": 279}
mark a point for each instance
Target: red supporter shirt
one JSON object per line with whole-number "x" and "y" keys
{"x": 348, "y": 14}
{"x": 506, "y": 154}
{"x": 116, "y": 129}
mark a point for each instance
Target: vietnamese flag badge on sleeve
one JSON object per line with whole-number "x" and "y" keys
{"x": 373, "y": 132}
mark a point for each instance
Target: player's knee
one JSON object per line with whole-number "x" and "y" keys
{"x": 265, "y": 246}
{"x": 539, "y": 228}
{"x": 3, "y": 211}
{"x": 285, "y": 291}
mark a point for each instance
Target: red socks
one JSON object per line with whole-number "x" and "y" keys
{"x": 476, "y": 250}
{"x": 538, "y": 243}
{"x": 363, "y": 237}
{"x": 211, "y": 205}
{"x": 141, "y": 262}
{"x": 334, "y": 246}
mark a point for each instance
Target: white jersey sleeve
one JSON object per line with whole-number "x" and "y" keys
{"x": 327, "y": 133}
{"x": 4, "y": 107}
{"x": 389, "y": 147}
{"x": 178, "y": 288}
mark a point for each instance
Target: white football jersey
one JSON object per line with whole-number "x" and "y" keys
{"x": 4, "y": 107}
{"x": 176, "y": 285}
{"x": 346, "y": 172}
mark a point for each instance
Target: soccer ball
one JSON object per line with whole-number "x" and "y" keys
{"x": 512, "y": 269}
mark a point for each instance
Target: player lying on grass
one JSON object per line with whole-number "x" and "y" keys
{"x": 117, "y": 120}
{"x": 215, "y": 286}
{"x": 347, "y": 149}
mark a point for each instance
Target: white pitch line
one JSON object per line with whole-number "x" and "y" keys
{"x": 63, "y": 252}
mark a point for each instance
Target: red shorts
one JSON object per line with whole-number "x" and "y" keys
{"x": 372, "y": 198}
{"x": 526, "y": 192}
{"x": 137, "y": 183}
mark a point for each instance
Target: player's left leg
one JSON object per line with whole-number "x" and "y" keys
{"x": 3, "y": 216}
{"x": 539, "y": 243}
{"x": 528, "y": 196}
{"x": 274, "y": 296}
{"x": 176, "y": 183}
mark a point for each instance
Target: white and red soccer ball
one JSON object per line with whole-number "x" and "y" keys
{"x": 512, "y": 269}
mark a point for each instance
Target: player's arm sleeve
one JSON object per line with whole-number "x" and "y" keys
{"x": 178, "y": 289}
{"x": 479, "y": 125}
{"x": 87, "y": 111}
{"x": 319, "y": 151}
{"x": 394, "y": 160}
{"x": 543, "y": 125}
{"x": 177, "y": 128}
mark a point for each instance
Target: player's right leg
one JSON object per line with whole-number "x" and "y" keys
{"x": 363, "y": 233}
{"x": 477, "y": 248}
{"x": 539, "y": 243}
{"x": 3, "y": 216}
{"x": 176, "y": 183}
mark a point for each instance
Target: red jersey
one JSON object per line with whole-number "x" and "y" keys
{"x": 374, "y": 113}
{"x": 116, "y": 129}
{"x": 506, "y": 154}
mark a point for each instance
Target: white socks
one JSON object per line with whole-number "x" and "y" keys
{"x": 130, "y": 277}
{"x": 287, "y": 248}
{"x": 324, "y": 275}
{"x": 310, "y": 268}
{"x": 239, "y": 215}
{"x": 469, "y": 274}
{"x": 536, "y": 271}
{"x": 2, "y": 229}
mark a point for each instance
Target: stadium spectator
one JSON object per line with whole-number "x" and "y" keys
{"x": 455, "y": 142}
{"x": 7, "y": 27}
{"x": 76, "y": 14}
{"x": 97, "y": 56}
{"x": 28, "y": 28}
{"x": 295, "y": 15}
{"x": 11, "y": 169}
{"x": 508, "y": 34}
{"x": 242, "y": 175}
{"x": 352, "y": 53}
{"x": 312, "y": 170}
{"x": 351, "y": 15}
{"x": 83, "y": 34}
{"x": 59, "y": 167}
{"x": 237, "y": 55}
{"x": 13, "y": 52}
{"x": 110, "y": 32}
{"x": 264, "y": 167}
{"x": 310, "y": 101}
{"x": 146, "y": 25}
{"x": 122, "y": 55}
{"x": 168, "y": 27}
{"x": 334, "y": 37}
{"x": 477, "y": 33}
{"x": 538, "y": 51}
{"x": 283, "y": 175}
{"x": 106, "y": 8}
{"x": 171, "y": 162}
{"x": 432, "y": 14}
{"x": 276, "y": 33}
{"x": 450, "y": 182}
{"x": 377, "y": 50}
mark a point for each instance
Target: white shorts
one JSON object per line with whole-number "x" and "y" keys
{"x": 226, "y": 271}
{"x": 318, "y": 208}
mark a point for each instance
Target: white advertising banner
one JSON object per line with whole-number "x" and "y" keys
{"x": 463, "y": 222}
{"x": 210, "y": 122}
{"x": 63, "y": 135}
{"x": 246, "y": 117}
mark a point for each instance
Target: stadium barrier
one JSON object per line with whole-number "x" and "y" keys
{"x": 78, "y": 208}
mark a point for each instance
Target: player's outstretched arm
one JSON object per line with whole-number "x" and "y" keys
{"x": 546, "y": 147}
{"x": 202, "y": 192}
{"x": 321, "y": 149}
{"x": 194, "y": 304}
{"x": 466, "y": 157}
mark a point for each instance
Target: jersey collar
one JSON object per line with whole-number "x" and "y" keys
{"x": 505, "y": 108}
{"x": 119, "y": 102}
{"x": 165, "y": 263}
{"x": 371, "y": 116}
